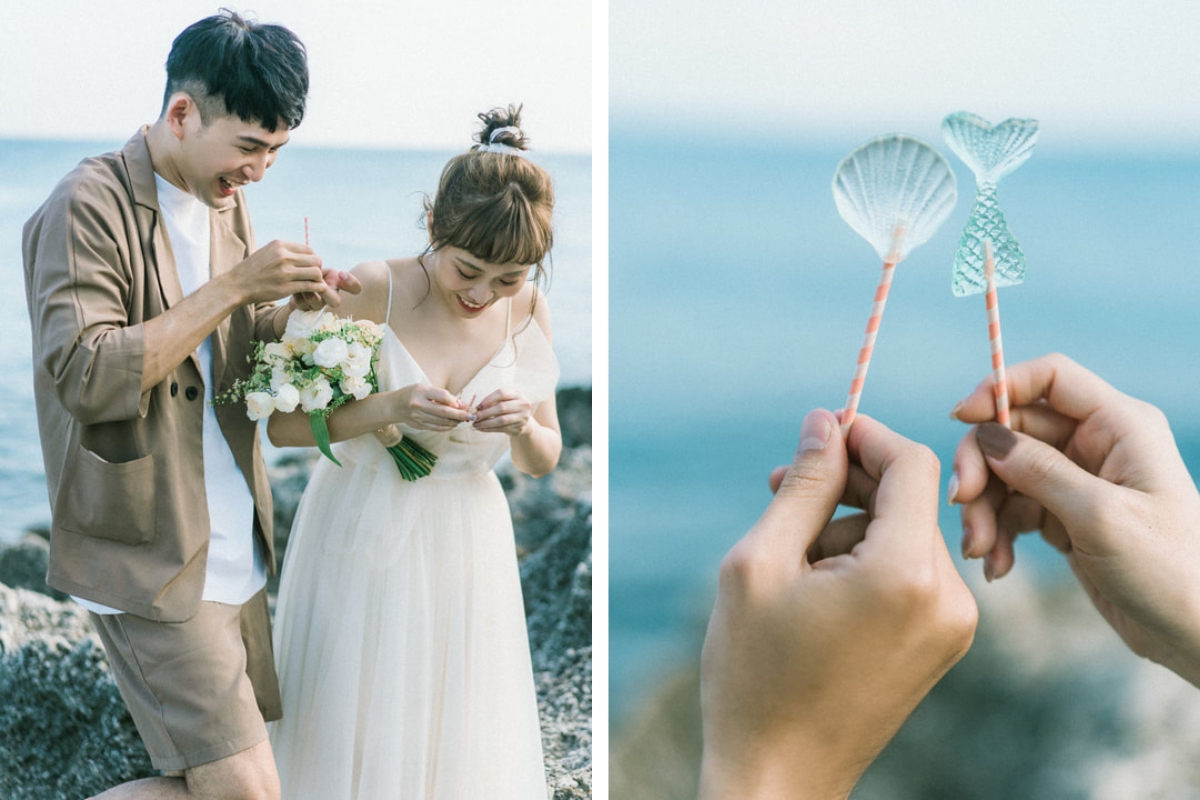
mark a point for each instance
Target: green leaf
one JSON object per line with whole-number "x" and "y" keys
{"x": 320, "y": 431}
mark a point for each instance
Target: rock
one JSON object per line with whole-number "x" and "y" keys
{"x": 575, "y": 415}
{"x": 24, "y": 566}
{"x": 64, "y": 730}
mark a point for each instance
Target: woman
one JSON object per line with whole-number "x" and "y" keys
{"x": 400, "y": 631}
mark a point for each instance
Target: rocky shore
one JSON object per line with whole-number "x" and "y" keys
{"x": 65, "y": 733}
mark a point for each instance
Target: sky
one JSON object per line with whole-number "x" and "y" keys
{"x": 1096, "y": 73}
{"x": 384, "y": 73}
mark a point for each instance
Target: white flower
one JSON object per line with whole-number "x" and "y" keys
{"x": 357, "y": 362}
{"x": 301, "y": 324}
{"x": 287, "y": 397}
{"x": 371, "y": 329}
{"x": 316, "y": 395}
{"x": 277, "y": 351}
{"x": 259, "y": 405}
{"x": 328, "y": 323}
{"x": 356, "y": 386}
{"x": 330, "y": 353}
{"x": 279, "y": 377}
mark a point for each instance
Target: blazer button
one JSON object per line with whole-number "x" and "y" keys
{"x": 174, "y": 388}
{"x": 191, "y": 393}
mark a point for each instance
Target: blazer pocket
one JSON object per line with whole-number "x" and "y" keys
{"x": 107, "y": 500}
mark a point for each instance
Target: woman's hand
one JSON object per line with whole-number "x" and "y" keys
{"x": 427, "y": 408}
{"x": 1098, "y": 473}
{"x": 503, "y": 411}
{"x": 826, "y": 635}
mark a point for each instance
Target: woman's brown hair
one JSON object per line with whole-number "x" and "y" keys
{"x": 494, "y": 203}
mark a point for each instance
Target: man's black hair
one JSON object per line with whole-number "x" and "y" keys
{"x": 231, "y": 65}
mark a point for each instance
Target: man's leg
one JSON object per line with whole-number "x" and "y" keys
{"x": 187, "y": 687}
{"x": 248, "y": 775}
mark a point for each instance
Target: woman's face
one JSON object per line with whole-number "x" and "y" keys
{"x": 468, "y": 285}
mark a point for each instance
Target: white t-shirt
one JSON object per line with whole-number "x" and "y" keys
{"x": 236, "y": 568}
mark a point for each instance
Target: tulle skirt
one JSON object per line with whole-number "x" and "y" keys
{"x": 401, "y": 645}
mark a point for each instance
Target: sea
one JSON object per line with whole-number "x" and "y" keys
{"x": 738, "y": 302}
{"x": 360, "y": 204}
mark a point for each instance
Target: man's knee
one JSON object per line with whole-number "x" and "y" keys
{"x": 248, "y": 775}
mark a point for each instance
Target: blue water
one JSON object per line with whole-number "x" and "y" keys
{"x": 738, "y": 300}
{"x": 361, "y": 205}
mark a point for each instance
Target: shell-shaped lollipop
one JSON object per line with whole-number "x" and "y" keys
{"x": 991, "y": 151}
{"x": 895, "y": 192}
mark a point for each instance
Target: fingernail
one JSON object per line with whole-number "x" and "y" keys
{"x": 954, "y": 411}
{"x": 952, "y": 489}
{"x": 989, "y": 570}
{"x": 995, "y": 440}
{"x": 968, "y": 539}
{"x": 814, "y": 432}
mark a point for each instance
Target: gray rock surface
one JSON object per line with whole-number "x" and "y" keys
{"x": 65, "y": 732}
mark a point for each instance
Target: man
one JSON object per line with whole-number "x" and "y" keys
{"x": 146, "y": 295}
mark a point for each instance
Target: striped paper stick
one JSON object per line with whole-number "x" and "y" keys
{"x": 306, "y": 231}
{"x": 868, "y": 346}
{"x": 999, "y": 382}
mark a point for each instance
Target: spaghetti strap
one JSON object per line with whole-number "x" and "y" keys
{"x": 387, "y": 319}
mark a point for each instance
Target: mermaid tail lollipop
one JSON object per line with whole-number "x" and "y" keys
{"x": 895, "y": 192}
{"x": 988, "y": 255}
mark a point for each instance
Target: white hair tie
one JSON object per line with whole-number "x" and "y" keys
{"x": 499, "y": 147}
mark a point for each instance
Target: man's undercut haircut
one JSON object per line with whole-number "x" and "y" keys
{"x": 233, "y": 66}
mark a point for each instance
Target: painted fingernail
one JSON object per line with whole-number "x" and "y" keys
{"x": 989, "y": 569}
{"x": 995, "y": 440}
{"x": 952, "y": 489}
{"x": 954, "y": 411}
{"x": 814, "y": 432}
{"x": 968, "y": 540}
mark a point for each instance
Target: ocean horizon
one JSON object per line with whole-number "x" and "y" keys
{"x": 361, "y": 204}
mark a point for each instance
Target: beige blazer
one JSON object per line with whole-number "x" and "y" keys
{"x": 125, "y": 469}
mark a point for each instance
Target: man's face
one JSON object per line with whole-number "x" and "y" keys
{"x": 216, "y": 159}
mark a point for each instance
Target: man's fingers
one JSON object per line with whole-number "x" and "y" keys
{"x": 807, "y": 494}
{"x": 907, "y": 473}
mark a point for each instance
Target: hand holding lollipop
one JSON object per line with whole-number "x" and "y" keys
{"x": 895, "y": 192}
{"x": 988, "y": 255}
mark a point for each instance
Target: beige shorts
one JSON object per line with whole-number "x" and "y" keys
{"x": 198, "y": 690}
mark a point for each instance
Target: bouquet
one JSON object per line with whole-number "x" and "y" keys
{"x": 321, "y": 363}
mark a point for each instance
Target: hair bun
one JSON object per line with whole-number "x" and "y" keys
{"x": 502, "y": 126}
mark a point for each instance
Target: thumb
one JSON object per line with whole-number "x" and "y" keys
{"x": 810, "y": 491}
{"x": 1037, "y": 470}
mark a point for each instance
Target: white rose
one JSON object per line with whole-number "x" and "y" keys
{"x": 358, "y": 360}
{"x": 286, "y": 398}
{"x": 300, "y": 324}
{"x": 279, "y": 377}
{"x": 330, "y": 353}
{"x": 316, "y": 395}
{"x": 371, "y": 329}
{"x": 328, "y": 323}
{"x": 259, "y": 405}
{"x": 354, "y": 385}
{"x": 277, "y": 351}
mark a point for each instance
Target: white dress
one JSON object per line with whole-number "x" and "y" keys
{"x": 400, "y": 628}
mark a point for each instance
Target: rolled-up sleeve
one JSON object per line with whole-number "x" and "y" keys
{"x": 81, "y": 291}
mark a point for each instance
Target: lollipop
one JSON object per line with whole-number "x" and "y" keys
{"x": 895, "y": 192}
{"x": 988, "y": 255}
